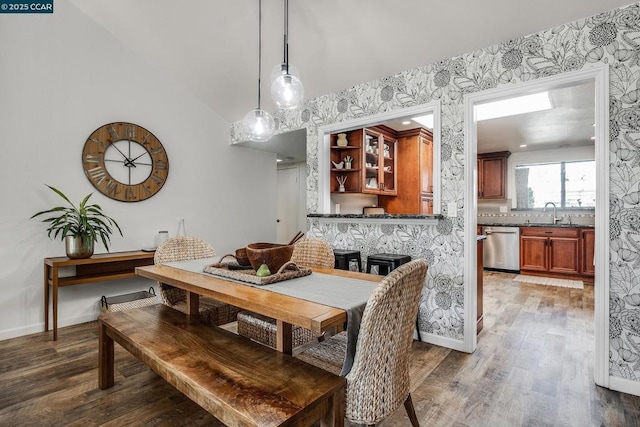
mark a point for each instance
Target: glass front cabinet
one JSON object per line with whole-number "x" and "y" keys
{"x": 371, "y": 165}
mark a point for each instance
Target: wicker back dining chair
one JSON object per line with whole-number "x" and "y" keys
{"x": 307, "y": 252}
{"x": 190, "y": 248}
{"x": 378, "y": 382}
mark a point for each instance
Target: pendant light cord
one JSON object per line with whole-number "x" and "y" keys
{"x": 285, "y": 20}
{"x": 259, "y": 49}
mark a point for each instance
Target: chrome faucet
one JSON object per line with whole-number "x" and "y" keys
{"x": 555, "y": 218}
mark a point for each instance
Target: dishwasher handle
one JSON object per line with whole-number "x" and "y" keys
{"x": 499, "y": 232}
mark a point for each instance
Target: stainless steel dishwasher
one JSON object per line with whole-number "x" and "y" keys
{"x": 502, "y": 248}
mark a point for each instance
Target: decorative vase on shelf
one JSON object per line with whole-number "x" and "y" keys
{"x": 342, "y": 140}
{"x": 341, "y": 189}
{"x": 347, "y": 165}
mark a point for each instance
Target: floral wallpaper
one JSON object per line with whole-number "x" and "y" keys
{"x": 612, "y": 38}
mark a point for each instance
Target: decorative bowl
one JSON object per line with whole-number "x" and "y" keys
{"x": 275, "y": 255}
{"x": 241, "y": 256}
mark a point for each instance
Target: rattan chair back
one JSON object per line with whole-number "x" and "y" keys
{"x": 313, "y": 252}
{"x": 180, "y": 249}
{"x": 378, "y": 382}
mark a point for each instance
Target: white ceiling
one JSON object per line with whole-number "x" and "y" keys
{"x": 210, "y": 46}
{"x": 569, "y": 123}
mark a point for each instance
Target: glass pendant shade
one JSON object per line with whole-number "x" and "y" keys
{"x": 259, "y": 125}
{"x": 281, "y": 69}
{"x": 287, "y": 91}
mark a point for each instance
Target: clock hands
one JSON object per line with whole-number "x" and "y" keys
{"x": 128, "y": 161}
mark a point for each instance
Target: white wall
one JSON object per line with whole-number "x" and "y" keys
{"x": 61, "y": 77}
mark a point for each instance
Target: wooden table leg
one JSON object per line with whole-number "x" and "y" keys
{"x": 54, "y": 289}
{"x": 334, "y": 417}
{"x": 105, "y": 358}
{"x": 193, "y": 304}
{"x": 46, "y": 297}
{"x": 284, "y": 337}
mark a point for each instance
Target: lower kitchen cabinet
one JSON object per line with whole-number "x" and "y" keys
{"x": 587, "y": 265}
{"x": 550, "y": 250}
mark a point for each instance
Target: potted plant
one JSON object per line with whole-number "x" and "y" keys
{"x": 79, "y": 226}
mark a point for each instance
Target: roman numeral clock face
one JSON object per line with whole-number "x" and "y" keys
{"x": 125, "y": 162}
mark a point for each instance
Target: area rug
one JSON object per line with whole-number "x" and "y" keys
{"x": 550, "y": 281}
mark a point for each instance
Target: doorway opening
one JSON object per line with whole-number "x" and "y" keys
{"x": 598, "y": 77}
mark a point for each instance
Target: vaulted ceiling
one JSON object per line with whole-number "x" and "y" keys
{"x": 210, "y": 46}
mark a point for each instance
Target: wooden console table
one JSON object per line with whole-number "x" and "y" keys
{"x": 98, "y": 268}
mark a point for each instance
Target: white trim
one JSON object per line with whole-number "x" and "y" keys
{"x": 324, "y": 202}
{"x": 625, "y": 386}
{"x": 601, "y": 292}
{"x": 442, "y": 341}
{"x": 600, "y": 74}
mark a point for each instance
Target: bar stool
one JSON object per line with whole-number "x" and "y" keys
{"x": 344, "y": 257}
{"x": 386, "y": 262}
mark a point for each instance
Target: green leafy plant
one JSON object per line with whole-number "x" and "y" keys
{"x": 86, "y": 221}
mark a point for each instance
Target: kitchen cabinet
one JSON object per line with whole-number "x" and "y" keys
{"x": 339, "y": 170}
{"x": 492, "y": 175}
{"x": 479, "y": 285}
{"x": 550, "y": 250}
{"x": 379, "y": 161}
{"x": 587, "y": 266}
{"x": 414, "y": 175}
{"x": 373, "y": 167}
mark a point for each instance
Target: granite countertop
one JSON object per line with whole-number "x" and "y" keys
{"x": 481, "y": 237}
{"x": 382, "y": 216}
{"x": 502, "y": 224}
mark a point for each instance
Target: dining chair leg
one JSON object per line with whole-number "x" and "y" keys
{"x": 408, "y": 405}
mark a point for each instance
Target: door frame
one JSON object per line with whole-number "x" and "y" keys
{"x": 599, "y": 74}
{"x": 301, "y": 206}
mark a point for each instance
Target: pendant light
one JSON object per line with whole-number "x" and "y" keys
{"x": 259, "y": 124}
{"x": 287, "y": 90}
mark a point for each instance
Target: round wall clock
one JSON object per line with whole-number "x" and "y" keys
{"x": 125, "y": 162}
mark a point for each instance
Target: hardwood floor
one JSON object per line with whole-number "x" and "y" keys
{"x": 533, "y": 367}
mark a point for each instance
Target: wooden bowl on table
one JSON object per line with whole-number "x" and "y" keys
{"x": 275, "y": 255}
{"x": 241, "y": 256}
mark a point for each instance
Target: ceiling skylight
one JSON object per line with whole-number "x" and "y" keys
{"x": 513, "y": 106}
{"x": 426, "y": 121}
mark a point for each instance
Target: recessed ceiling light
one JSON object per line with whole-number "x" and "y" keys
{"x": 406, "y": 122}
{"x": 523, "y": 145}
{"x": 593, "y": 138}
{"x": 513, "y": 106}
{"x": 278, "y": 160}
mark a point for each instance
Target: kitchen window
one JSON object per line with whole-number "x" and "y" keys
{"x": 567, "y": 184}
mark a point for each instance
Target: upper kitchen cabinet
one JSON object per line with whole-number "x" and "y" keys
{"x": 415, "y": 175}
{"x": 346, "y": 161}
{"x": 492, "y": 175}
{"x": 380, "y": 151}
{"x": 366, "y": 164}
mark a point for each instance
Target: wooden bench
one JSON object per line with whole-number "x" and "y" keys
{"x": 238, "y": 381}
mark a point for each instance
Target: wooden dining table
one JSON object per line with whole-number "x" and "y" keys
{"x": 287, "y": 310}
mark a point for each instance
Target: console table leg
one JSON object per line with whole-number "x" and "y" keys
{"x": 54, "y": 288}
{"x": 46, "y": 297}
{"x": 105, "y": 358}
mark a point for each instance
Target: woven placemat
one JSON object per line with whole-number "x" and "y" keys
{"x": 288, "y": 271}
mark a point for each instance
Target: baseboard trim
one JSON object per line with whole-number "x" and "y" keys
{"x": 625, "y": 386}
{"x": 442, "y": 341}
{"x": 39, "y": 327}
